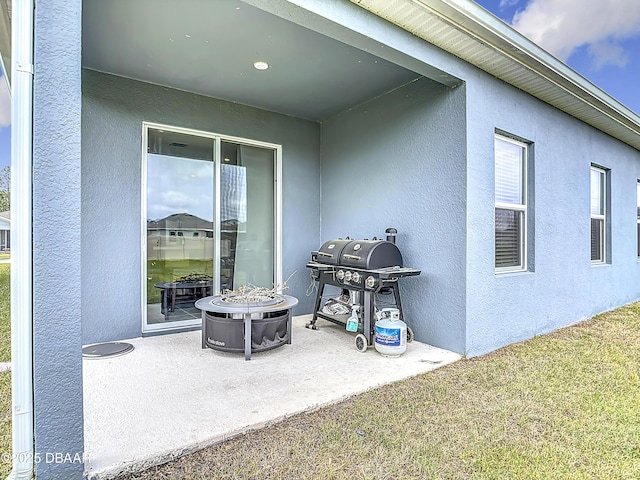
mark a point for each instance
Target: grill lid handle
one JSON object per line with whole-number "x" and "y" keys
{"x": 391, "y": 234}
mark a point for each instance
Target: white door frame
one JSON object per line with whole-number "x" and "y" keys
{"x": 217, "y": 139}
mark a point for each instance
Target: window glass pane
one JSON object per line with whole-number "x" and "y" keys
{"x": 180, "y": 200}
{"x": 597, "y": 192}
{"x": 247, "y": 208}
{"x": 597, "y": 240}
{"x": 508, "y": 238}
{"x": 509, "y": 178}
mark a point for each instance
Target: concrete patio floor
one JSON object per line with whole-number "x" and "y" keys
{"x": 169, "y": 397}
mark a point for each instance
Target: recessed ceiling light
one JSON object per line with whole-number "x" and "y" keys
{"x": 260, "y": 65}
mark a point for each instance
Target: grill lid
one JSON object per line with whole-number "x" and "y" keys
{"x": 370, "y": 254}
{"x": 330, "y": 251}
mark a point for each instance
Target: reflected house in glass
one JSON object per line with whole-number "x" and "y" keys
{"x": 180, "y": 250}
{"x": 5, "y": 231}
{"x": 179, "y": 236}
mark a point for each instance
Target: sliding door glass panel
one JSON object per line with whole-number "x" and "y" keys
{"x": 180, "y": 227}
{"x": 247, "y": 216}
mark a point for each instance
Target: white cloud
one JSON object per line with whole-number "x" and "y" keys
{"x": 608, "y": 53}
{"x": 562, "y": 26}
{"x": 508, "y": 3}
{"x": 5, "y": 103}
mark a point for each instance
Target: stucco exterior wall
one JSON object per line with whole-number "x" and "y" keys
{"x": 57, "y": 280}
{"x": 399, "y": 161}
{"x": 563, "y": 287}
{"x": 113, "y": 110}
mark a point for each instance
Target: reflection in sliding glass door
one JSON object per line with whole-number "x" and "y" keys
{"x": 180, "y": 229}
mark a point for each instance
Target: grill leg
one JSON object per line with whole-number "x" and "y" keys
{"x": 321, "y": 284}
{"x": 396, "y": 296}
{"x": 368, "y": 313}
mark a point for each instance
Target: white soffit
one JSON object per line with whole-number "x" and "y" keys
{"x": 464, "y": 29}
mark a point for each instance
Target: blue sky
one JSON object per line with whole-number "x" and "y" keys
{"x": 598, "y": 39}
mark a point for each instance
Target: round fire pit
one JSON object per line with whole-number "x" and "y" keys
{"x": 225, "y": 321}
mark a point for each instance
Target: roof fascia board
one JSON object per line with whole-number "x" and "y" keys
{"x": 477, "y": 22}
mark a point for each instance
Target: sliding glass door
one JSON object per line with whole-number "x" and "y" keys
{"x": 247, "y": 216}
{"x": 210, "y": 221}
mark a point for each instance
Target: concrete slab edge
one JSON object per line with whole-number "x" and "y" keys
{"x": 168, "y": 456}
{"x": 5, "y": 366}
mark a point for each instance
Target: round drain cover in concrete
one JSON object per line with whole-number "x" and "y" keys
{"x": 108, "y": 349}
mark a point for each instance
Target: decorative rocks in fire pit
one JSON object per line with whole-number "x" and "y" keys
{"x": 250, "y": 320}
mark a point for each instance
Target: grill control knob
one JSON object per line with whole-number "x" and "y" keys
{"x": 347, "y": 276}
{"x": 370, "y": 282}
{"x": 340, "y": 274}
{"x": 355, "y": 277}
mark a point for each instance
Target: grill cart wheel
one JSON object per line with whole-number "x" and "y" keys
{"x": 361, "y": 343}
{"x": 409, "y": 335}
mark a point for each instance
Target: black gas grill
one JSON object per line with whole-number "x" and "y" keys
{"x": 368, "y": 267}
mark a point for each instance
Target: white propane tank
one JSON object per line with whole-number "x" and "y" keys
{"x": 390, "y": 333}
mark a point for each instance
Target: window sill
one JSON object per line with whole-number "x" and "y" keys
{"x": 513, "y": 273}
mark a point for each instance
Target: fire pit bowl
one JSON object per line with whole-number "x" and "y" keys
{"x": 225, "y": 321}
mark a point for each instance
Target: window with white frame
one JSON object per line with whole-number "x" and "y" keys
{"x": 598, "y": 214}
{"x": 510, "y": 204}
{"x": 638, "y": 214}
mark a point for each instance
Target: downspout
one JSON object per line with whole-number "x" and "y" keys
{"x": 21, "y": 231}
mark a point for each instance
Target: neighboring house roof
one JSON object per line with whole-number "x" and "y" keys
{"x": 180, "y": 221}
{"x": 5, "y": 220}
{"x": 468, "y": 31}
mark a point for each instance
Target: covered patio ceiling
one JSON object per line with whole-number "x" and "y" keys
{"x": 210, "y": 48}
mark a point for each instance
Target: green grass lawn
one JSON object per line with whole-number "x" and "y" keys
{"x": 5, "y": 312}
{"x": 5, "y": 356}
{"x": 560, "y": 406}
{"x": 5, "y": 421}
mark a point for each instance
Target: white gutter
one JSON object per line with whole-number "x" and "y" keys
{"x": 470, "y": 17}
{"x": 21, "y": 235}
